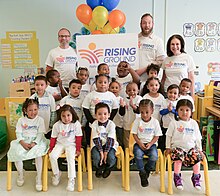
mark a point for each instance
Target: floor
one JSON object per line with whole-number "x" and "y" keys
{"x": 107, "y": 187}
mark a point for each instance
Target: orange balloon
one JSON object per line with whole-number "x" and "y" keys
{"x": 116, "y": 18}
{"x": 123, "y": 21}
{"x": 97, "y": 32}
{"x": 84, "y": 13}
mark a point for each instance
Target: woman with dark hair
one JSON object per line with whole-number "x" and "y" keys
{"x": 177, "y": 65}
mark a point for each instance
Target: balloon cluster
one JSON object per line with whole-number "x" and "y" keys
{"x": 99, "y": 17}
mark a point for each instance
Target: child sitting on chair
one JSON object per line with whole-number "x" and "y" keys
{"x": 104, "y": 143}
{"x": 146, "y": 131}
{"x": 183, "y": 143}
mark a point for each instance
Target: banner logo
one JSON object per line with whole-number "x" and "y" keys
{"x": 92, "y": 55}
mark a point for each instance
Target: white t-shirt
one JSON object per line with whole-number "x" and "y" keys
{"x": 54, "y": 91}
{"x": 27, "y": 129}
{"x": 65, "y": 62}
{"x": 85, "y": 90}
{"x": 157, "y": 101}
{"x": 118, "y": 119}
{"x": 189, "y": 98}
{"x": 124, "y": 82}
{"x": 76, "y": 103}
{"x": 146, "y": 131}
{"x": 66, "y": 133}
{"x": 95, "y": 97}
{"x": 130, "y": 116}
{"x": 170, "y": 116}
{"x": 149, "y": 49}
{"x": 46, "y": 106}
{"x": 184, "y": 134}
{"x": 176, "y": 68}
{"x": 104, "y": 132}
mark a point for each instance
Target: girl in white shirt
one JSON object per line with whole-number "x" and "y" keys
{"x": 183, "y": 143}
{"x": 153, "y": 85}
{"x": 66, "y": 137}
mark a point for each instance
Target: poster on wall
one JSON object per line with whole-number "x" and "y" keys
{"x": 20, "y": 49}
{"x": 108, "y": 48}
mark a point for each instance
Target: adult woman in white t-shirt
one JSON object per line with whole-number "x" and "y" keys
{"x": 177, "y": 65}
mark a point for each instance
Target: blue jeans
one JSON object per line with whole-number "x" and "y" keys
{"x": 152, "y": 157}
{"x": 111, "y": 159}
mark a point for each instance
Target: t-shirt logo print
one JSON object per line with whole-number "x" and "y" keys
{"x": 180, "y": 129}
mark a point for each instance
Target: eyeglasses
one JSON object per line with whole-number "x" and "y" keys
{"x": 62, "y": 36}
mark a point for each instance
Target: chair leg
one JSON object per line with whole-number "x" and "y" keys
{"x": 206, "y": 176}
{"x": 9, "y": 168}
{"x": 127, "y": 170}
{"x": 169, "y": 165}
{"x": 89, "y": 168}
{"x": 162, "y": 173}
{"x": 45, "y": 173}
{"x": 83, "y": 160}
{"x": 122, "y": 157}
{"x": 79, "y": 173}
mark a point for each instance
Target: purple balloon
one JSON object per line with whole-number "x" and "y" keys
{"x": 93, "y": 3}
{"x": 110, "y": 4}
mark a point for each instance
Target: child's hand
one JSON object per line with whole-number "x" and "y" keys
{"x": 26, "y": 146}
{"x": 131, "y": 103}
{"x": 57, "y": 97}
{"x": 78, "y": 153}
{"x": 128, "y": 66}
{"x": 202, "y": 154}
{"x": 142, "y": 146}
{"x": 168, "y": 151}
{"x": 122, "y": 102}
{"x": 148, "y": 145}
{"x": 170, "y": 107}
{"x": 105, "y": 157}
{"x": 60, "y": 82}
{"x": 32, "y": 144}
{"x": 102, "y": 158}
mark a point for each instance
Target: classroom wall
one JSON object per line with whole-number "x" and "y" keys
{"x": 47, "y": 17}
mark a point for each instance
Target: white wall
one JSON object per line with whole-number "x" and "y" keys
{"x": 47, "y": 16}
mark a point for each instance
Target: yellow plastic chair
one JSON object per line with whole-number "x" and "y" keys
{"x": 129, "y": 155}
{"x": 81, "y": 167}
{"x": 206, "y": 175}
{"x": 120, "y": 165}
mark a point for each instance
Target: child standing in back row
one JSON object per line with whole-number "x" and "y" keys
{"x": 47, "y": 106}
{"x": 30, "y": 142}
{"x": 183, "y": 143}
{"x": 66, "y": 137}
{"x": 146, "y": 131}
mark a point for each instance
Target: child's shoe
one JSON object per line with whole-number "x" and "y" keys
{"x": 98, "y": 172}
{"x": 56, "y": 179}
{"x": 144, "y": 180}
{"x": 106, "y": 173}
{"x": 178, "y": 181}
{"x": 71, "y": 183}
{"x": 38, "y": 184}
{"x": 196, "y": 181}
{"x": 20, "y": 179}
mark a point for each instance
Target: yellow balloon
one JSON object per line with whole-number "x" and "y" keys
{"x": 115, "y": 30}
{"x": 107, "y": 28}
{"x": 92, "y": 26}
{"x": 100, "y": 16}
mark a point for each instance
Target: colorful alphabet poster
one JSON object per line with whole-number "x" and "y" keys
{"x": 20, "y": 49}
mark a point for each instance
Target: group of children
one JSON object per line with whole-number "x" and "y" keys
{"x": 105, "y": 116}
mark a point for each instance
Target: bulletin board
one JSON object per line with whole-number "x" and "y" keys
{"x": 13, "y": 110}
{"x": 198, "y": 22}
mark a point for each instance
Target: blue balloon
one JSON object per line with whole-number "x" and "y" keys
{"x": 110, "y": 4}
{"x": 93, "y": 3}
{"x": 74, "y": 36}
{"x": 122, "y": 30}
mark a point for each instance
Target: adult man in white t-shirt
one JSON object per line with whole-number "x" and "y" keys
{"x": 151, "y": 47}
{"x": 63, "y": 58}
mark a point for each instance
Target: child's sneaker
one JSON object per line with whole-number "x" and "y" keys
{"x": 56, "y": 179}
{"x": 196, "y": 181}
{"x": 144, "y": 180}
{"x": 20, "y": 179}
{"x": 70, "y": 186}
{"x": 178, "y": 181}
{"x": 64, "y": 162}
{"x": 38, "y": 184}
